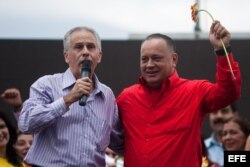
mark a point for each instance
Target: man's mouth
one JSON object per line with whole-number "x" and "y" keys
{"x": 151, "y": 72}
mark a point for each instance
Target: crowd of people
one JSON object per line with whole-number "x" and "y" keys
{"x": 229, "y": 133}
{"x": 156, "y": 122}
{"x": 14, "y": 144}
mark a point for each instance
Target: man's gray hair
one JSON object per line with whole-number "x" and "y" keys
{"x": 66, "y": 40}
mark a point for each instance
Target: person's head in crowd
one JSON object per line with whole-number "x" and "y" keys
{"x": 158, "y": 59}
{"x": 23, "y": 144}
{"x": 74, "y": 52}
{"x": 235, "y": 133}
{"x": 8, "y": 137}
{"x": 219, "y": 117}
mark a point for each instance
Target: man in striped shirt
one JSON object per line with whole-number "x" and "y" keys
{"x": 65, "y": 133}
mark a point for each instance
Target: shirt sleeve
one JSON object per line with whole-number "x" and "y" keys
{"x": 41, "y": 109}
{"x": 227, "y": 89}
{"x": 117, "y": 135}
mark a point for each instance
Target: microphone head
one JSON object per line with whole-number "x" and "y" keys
{"x": 86, "y": 65}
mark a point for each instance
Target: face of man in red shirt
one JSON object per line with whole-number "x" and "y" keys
{"x": 157, "y": 62}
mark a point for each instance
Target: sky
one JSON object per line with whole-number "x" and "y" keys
{"x": 116, "y": 19}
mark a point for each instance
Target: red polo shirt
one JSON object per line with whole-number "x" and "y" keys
{"x": 163, "y": 128}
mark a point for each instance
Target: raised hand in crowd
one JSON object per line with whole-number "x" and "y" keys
{"x": 12, "y": 96}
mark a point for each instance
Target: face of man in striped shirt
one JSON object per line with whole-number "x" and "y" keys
{"x": 83, "y": 45}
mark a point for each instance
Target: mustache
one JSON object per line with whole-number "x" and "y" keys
{"x": 219, "y": 121}
{"x": 81, "y": 62}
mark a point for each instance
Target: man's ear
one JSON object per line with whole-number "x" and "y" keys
{"x": 100, "y": 57}
{"x": 175, "y": 59}
{"x": 66, "y": 57}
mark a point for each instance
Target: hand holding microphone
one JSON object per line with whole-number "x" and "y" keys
{"x": 86, "y": 70}
{"x": 82, "y": 87}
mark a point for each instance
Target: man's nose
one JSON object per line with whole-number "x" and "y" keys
{"x": 150, "y": 63}
{"x": 85, "y": 51}
{"x": 227, "y": 136}
{"x": 219, "y": 114}
{"x": 28, "y": 145}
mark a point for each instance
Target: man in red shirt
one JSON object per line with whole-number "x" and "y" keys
{"x": 162, "y": 115}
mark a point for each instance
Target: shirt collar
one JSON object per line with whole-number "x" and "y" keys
{"x": 169, "y": 82}
{"x": 99, "y": 88}
{"x": 69, "y": 80}
{"x": 212, "y": 141}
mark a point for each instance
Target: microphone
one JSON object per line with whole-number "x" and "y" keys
{"x": 86, "y": 69}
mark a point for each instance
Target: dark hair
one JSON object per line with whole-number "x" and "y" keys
{"x": 170, "y": 42}
{"x": 233, "y": 107}
{"x": 11, "y": 154}
{"x": 243, "y": 123}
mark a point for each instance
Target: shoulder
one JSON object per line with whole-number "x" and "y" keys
{"x": 48, "y": 79}
{"x": 194, "y": 82}
{"x": 105, "y": 91}
{"x": 47, "y": 83}
{"x": 105, "y": 87}
{"x": 131, "y": 89}
{"x": 130, "y": 93}
{"x": 194, "y": 86}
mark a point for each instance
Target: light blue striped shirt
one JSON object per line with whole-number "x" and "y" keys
{"x": 69, "y": 137}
